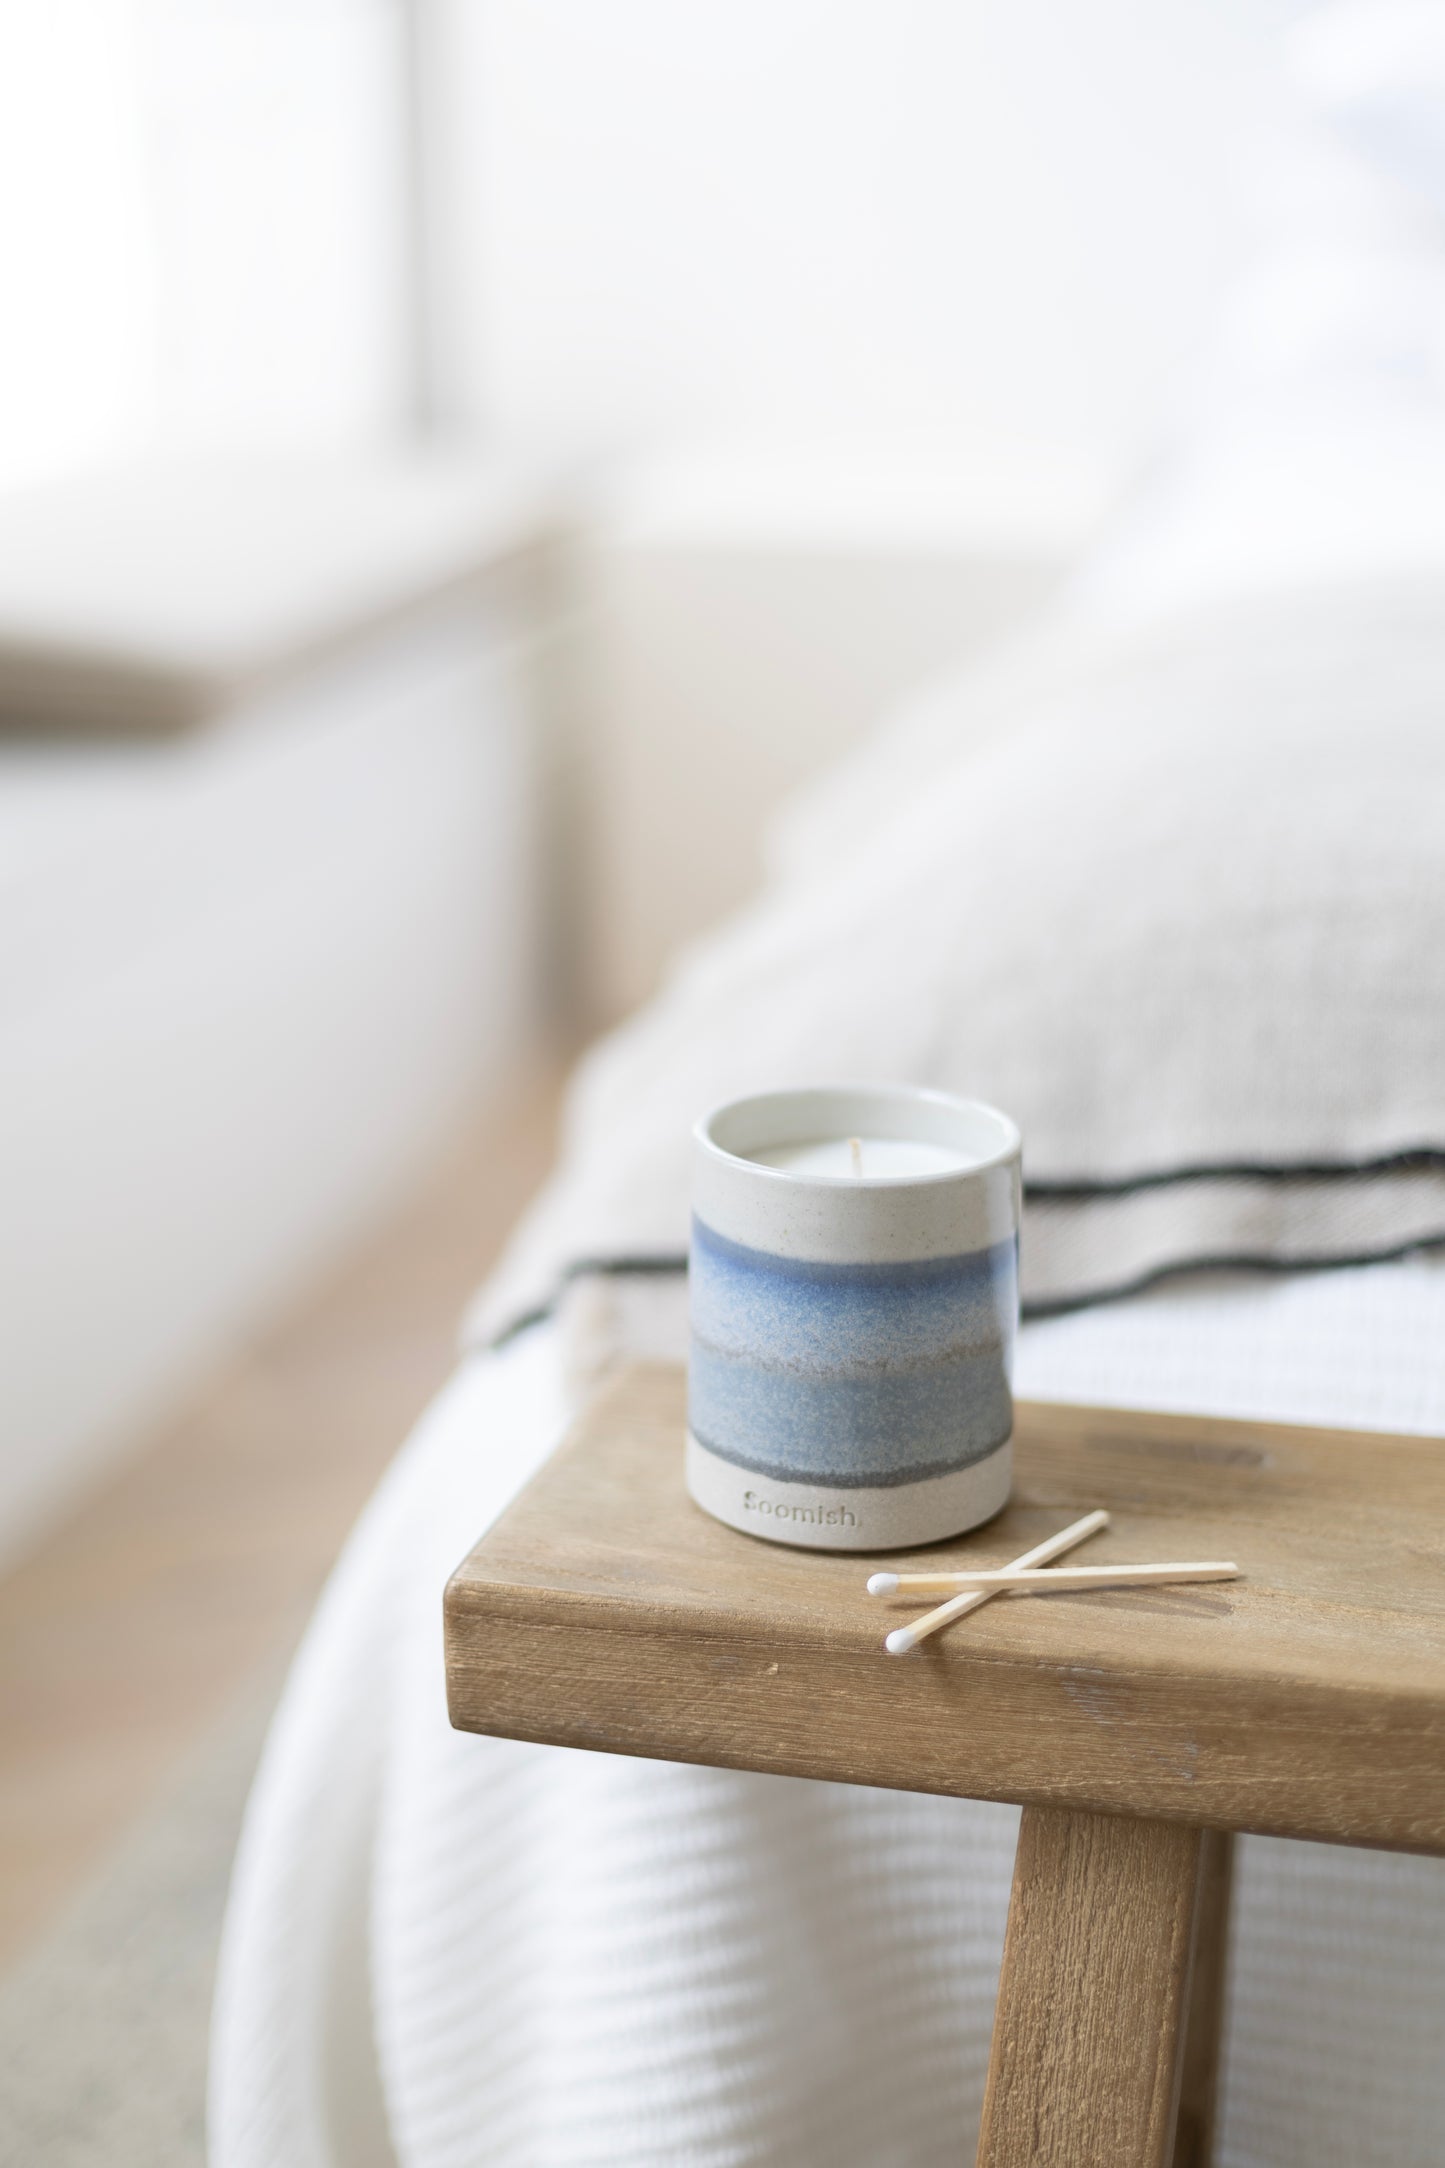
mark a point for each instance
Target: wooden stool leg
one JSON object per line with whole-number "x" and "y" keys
{"x": 1088, "y": 2040}
{"x": 1194, "y": 2131}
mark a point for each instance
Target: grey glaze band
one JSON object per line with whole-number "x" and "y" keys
{"x": 818, "y": 1518}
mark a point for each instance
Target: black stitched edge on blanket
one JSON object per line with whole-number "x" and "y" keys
{"x": 585, "y": 1268}
{"x": 1040, "y": 1307}
{"x": 1242, "y": 1261}
{"x": 1415, "y": 1159}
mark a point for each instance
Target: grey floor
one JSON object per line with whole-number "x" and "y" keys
{"x": 103, "y": 2022}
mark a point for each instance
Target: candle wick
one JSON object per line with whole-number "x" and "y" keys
{"x": 855, "y": 1146}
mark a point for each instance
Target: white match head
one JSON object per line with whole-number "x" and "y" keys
{"x": 883, "y": 1584}
{"x": 900, "y": 1641}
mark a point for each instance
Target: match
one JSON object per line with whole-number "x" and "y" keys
{"x": 904, "y": 1638}
{"x": 1012, "y": 1580}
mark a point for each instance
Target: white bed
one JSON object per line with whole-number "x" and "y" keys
{"x": 575, "y": 1959}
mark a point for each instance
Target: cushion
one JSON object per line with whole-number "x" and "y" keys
{"x": 1182, "y": 916}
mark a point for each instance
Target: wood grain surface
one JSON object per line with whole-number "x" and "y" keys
{"x": 1199, "y": 2078}
{"x": 1307, "y": 1699}
{"x": 1088, "y": 2038}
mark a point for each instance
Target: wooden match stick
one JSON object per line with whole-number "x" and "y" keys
{"x": 1025, "y": 1582}
{"x": 904, "y": 1638}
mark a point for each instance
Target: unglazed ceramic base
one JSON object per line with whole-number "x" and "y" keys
{"x": 819, "y": 1517}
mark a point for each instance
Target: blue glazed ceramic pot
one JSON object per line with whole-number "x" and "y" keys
{"x": 854, "y": 1296}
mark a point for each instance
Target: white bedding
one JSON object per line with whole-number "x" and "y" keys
{"x": 538, "y": 1958}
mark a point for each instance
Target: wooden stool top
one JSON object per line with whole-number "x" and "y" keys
{"x": 605, "y": 1610}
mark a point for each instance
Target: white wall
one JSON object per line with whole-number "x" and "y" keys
{"x": 743, "y": 617}
{"x": 658, "y": 219}
{"x": 842, "y": 214}
{"x": 201, "y": 227}
{"x": 971, "y": 240}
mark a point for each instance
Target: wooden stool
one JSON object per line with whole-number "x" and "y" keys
{"x": 1138, "y": 1729}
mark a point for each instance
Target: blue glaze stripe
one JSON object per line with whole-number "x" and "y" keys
{"x": 852, "y": 1375}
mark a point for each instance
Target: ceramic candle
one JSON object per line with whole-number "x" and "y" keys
{"x": 854, "y": 1295}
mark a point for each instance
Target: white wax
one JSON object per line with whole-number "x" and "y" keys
{"x": 881, "y": 1159}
